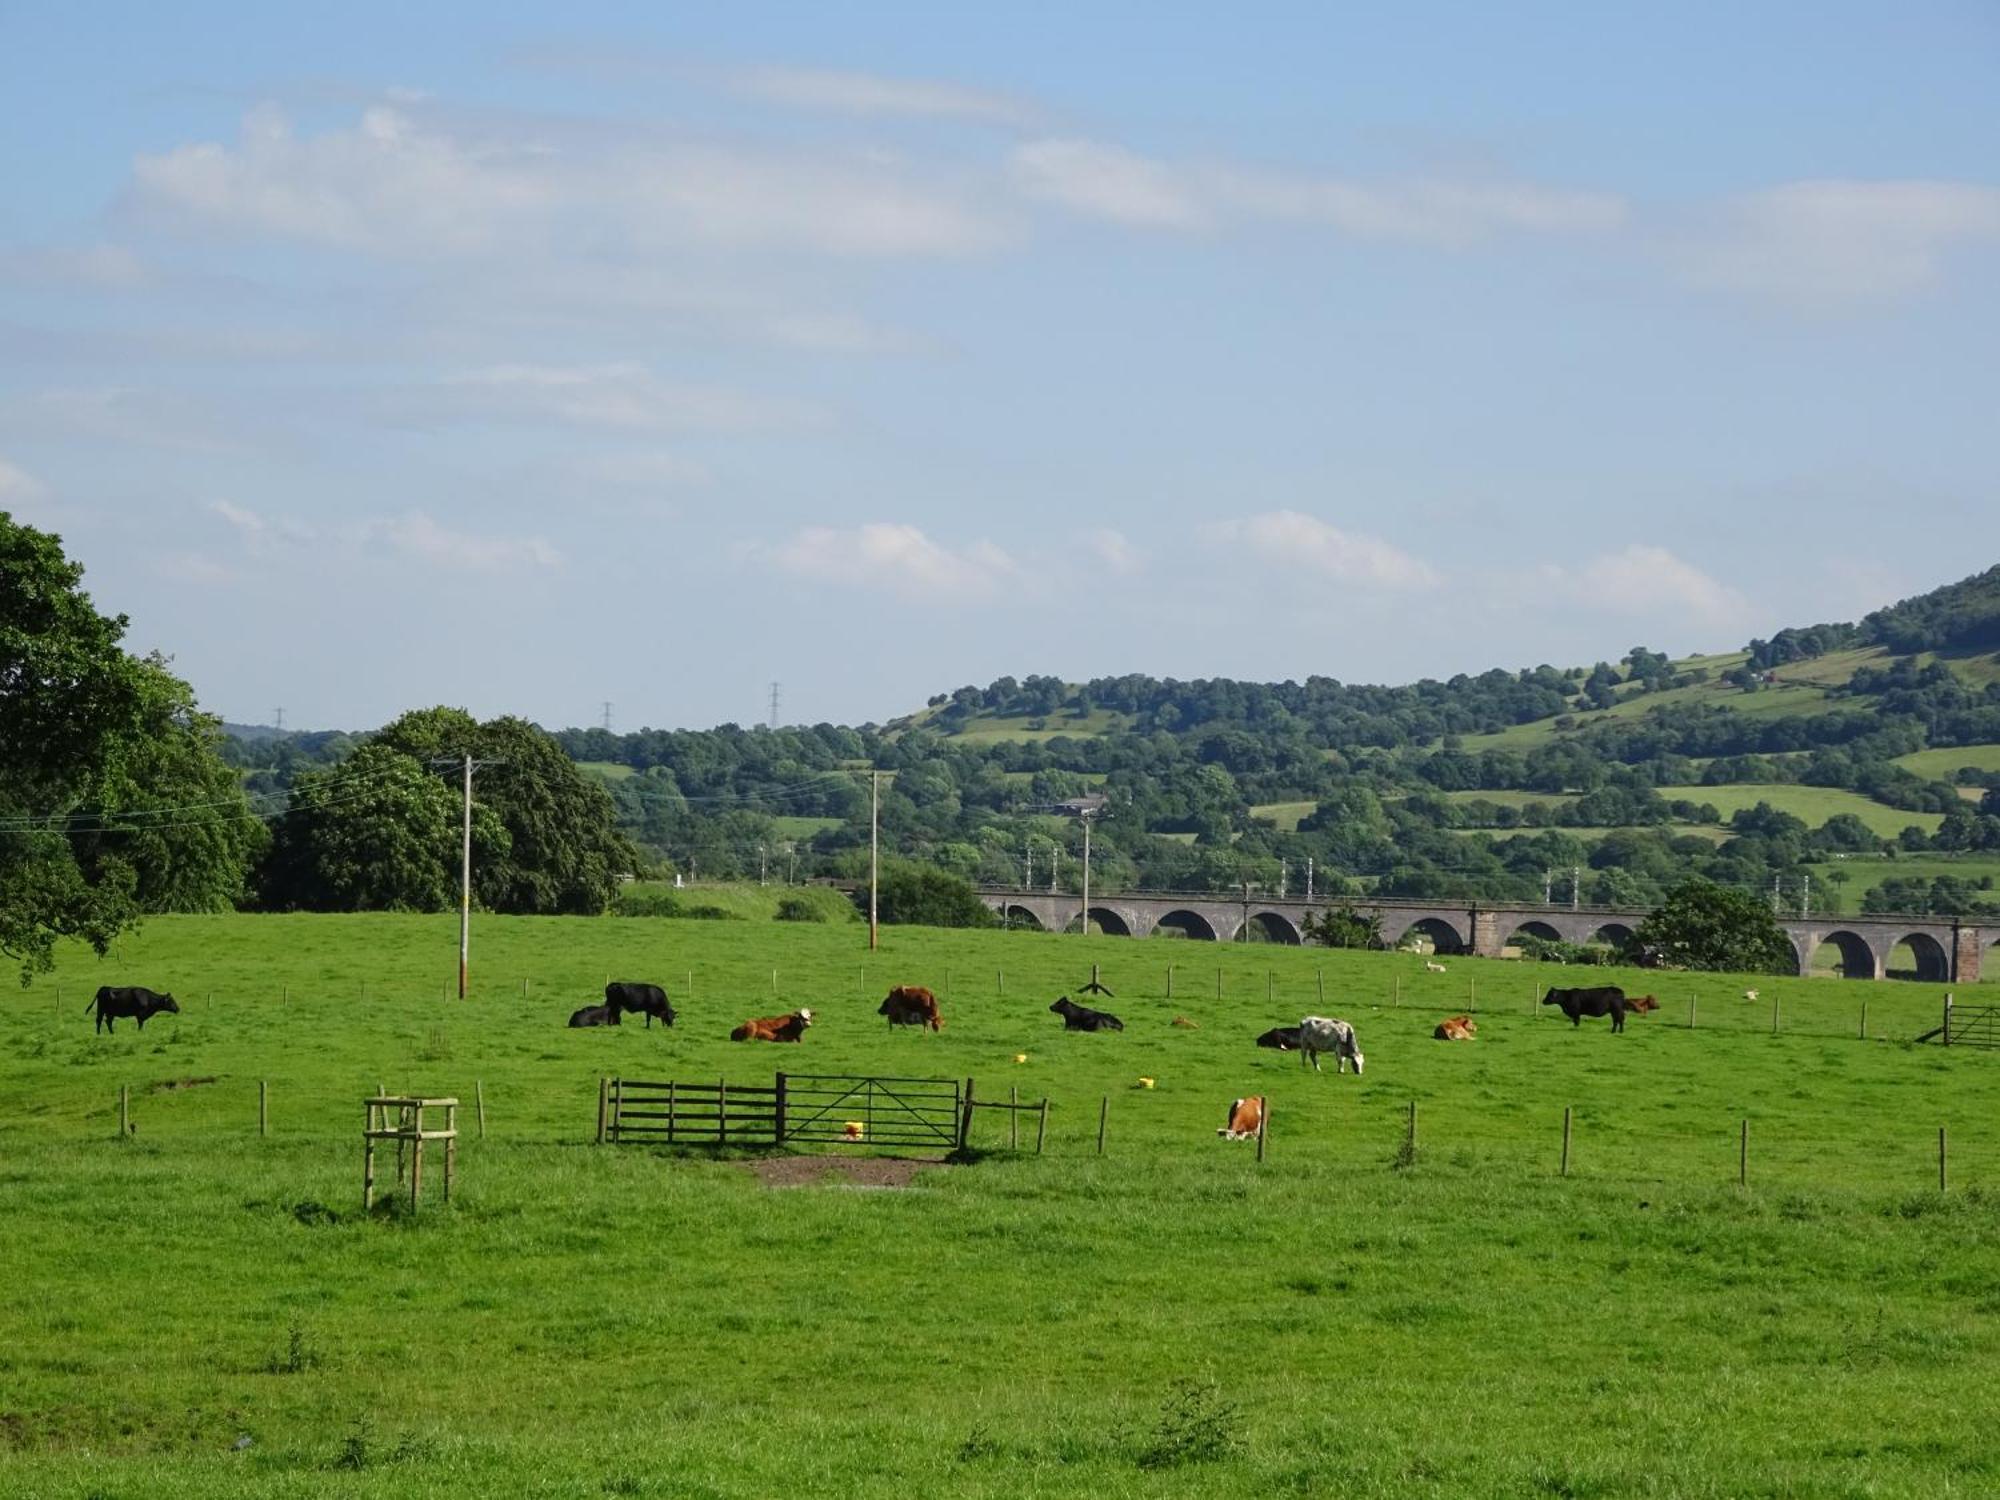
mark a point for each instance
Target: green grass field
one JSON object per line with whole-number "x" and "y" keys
{"x": 1812, "y": 804}
{"x": 1169, "y": 1319}
{"x": 1938, "y": 765}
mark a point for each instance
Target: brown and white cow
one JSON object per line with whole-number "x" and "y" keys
{"x": 1641, "y": 1003}
{"x": 1246, "y": 1118}
{"x": 1456, "y": 1029}
{"x": 774, "y": 1028}
{"x": 911, "y": 1005}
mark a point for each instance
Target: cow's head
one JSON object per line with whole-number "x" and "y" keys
{"x": 1062, "y": 1005}
{"x": 1357, "y": 1062}
{"x": 805, "y": 1016}
{"x": 167, "y": 1003}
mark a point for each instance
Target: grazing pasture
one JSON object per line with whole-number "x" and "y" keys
{"x": 198, "y": 1310}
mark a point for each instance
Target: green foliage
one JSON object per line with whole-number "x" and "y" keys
{"x": 114, "y": 800}
{"x": 1196, "y": 1425}
{"x": 378, "y": 834}
{"x": 798, "y": 909}
{"x": 1341, "y": 926}
{"x": 924, "y": 896}
{"x": 1706, "y": 926}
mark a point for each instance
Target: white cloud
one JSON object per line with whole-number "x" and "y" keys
{"x": 1111, "y": 548}
{"x": 621, "y": 395}
{"x": 1829, "y": 244}
{"x": 870, "y": 94}
{"x": 18, "y": 486}
{"x": 415, "y": 534}
{"x": 1292, "y": 539}
{"x": 192, "y": 567}
{"x": 247, "y": 522}
{"x": 1647, "y": 580}
{"x": 899, "y": 557}
{"x": 1110, "y": 182}
{"x": 399, "y": 183}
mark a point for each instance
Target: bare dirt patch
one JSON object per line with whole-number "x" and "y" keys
{"x": 838, "y": 1171}
{"x": 167, "y": 1086}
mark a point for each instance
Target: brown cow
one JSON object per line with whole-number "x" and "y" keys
{"x": 1642, "y": 1003}
{"x": 774, "y": 1028}
{"x": 1456, "y": 1029}
{"x": 1246, "y": 1118}
{"x": 911, "y": 1005}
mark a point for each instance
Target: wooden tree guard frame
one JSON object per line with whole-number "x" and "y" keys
{"x": 409, "y": 1133}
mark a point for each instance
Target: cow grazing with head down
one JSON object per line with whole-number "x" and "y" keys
{"x": 133, "y": 1001}
{"x": 1456, "y": 1029}
{"x": 595, "y": 1015}
{"x": 1083, "y": 1018}
{"x": 774, "y": 1028}
{"x": 1598, "y": 1000}
{"x": 1319, "y": 1034}
{"x": 1246, "y": 1118}
{"x": 911, "y": 1005}
{"x": 632, "y": 998}
{"x": 1280, "y": 1038}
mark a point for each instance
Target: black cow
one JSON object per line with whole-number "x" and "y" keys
{"x": 1604, "y": 1000}
{"x": 647, "y": 1000}
{"x": 133, "y": 1000}
{"x": 1282, "y": 1038}
{"x": 595, "y": 1015}
{"x": 1083, "y": 1018}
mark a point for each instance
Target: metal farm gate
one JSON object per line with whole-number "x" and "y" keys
{"x": 821, "y": 1109}
{"x": 1972, "y": 1028}
{"x": 833, "y": 1109}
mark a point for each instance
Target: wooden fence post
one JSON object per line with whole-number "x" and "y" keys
{"x": 779, "y": 1122}
{"x": 1103, "y": 1116}
{"x": 774, "y": 983}
{"x": 1941, "y": 1160}
{"x": 673, "y": 1121}
{"x": 1864, "y": 1020}
{"x": 263, "y": 1107}
{"x": 722, "y": 1111}
{"x": 1269, "y": 982}
{"x": 1410, "y": 1133}
{"x": 124, "y": 1111}
{"x": 1399, "y": 989}
{"x": 1566, "y": 1124}
{"x": 1013, "y": 1119}
{"x": 1042, "y": 1130}
{"x": 1774, "y": 1015}
{"x": 1945, "y": 1035}
{"x": 1000, "y": 981}
{"x": 1319, "y": 984}
{"x": 617, "y": 1111}
{"x": 1691, "y": 1002}
{"x": 1472, "y": 993}
{"x": 1170, "y": 981}
{"x": 1743, "y": 1157}
{"x": 1263, "y": 1126}
{"x": 1218, "y": 981}
{"x": 603, "y": 1105}
{"x": 479, "y": 1104}
{"x": 965, "y": 1117}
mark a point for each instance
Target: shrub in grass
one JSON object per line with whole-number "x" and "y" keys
{"x": 798, "y": 909}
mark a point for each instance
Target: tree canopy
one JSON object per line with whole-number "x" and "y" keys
{"x": 1702, "y": 925}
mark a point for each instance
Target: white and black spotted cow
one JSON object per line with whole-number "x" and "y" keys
{"x": 1319, "y": 1034}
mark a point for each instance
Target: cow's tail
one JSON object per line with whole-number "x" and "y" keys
{"x": 90, "y": 1002}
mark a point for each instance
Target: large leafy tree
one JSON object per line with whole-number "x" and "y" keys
{"x": 1702, "y": 925}
{"x": 113, "y": 798}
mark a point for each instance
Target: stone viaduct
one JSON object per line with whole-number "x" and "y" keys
{"x": 1948, "y": 949}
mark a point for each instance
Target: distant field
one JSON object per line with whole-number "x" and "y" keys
{"x": 1865, "y": 872}
{"x": 198, "y": 1311}
{"x": 804, "y": 828}
{"x": 609, "y": 770}
{"x": 1514, "y": 799}
{"x": 748, "y": 902}
{"x": 1938, "y": 765}
{"x": 984, "y": 730}
{"x": 1285, "y": 815}
{"x": 1590, "y": 833}
{"x": 1832, "y": 669}
{"x": 1813, "y": 804}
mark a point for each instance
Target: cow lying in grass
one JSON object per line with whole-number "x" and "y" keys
{"x": 774, "y": 1028}
{"x": 1246, "y": 1118}
{"x": 1319, "y": 1034}
{"x": 1640, "y": 1004}
{"x": 595, "y": 1015}
{"x": 1456, "y": 1029}
{"x": 1281, "y": 1039}
{"x": 1083, "y": 1018}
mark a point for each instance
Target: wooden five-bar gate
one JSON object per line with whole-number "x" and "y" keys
{"x": 821, "y": 1109}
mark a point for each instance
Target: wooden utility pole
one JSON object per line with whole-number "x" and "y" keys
{"x": 874, "y": 856}
{"x": 1086, "y": 874}
{"x": 465, "y": 886}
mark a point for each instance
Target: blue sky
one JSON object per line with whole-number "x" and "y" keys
{"x": 526, "y": 358}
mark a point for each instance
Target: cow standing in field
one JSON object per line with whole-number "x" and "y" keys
{"x": 134, "y": 1001}
{"x": 1246, "y": 1118}
{"x": 774, "y": 1028}
{"x": 1599, "y": 1000}
{"x": 911, "y": 1005}
{"x": 632, "y": 998}
{"x": 595, "y": 1015}
{"x": 1319, "y": 1034}
{"x": 1083, "y": 1018}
